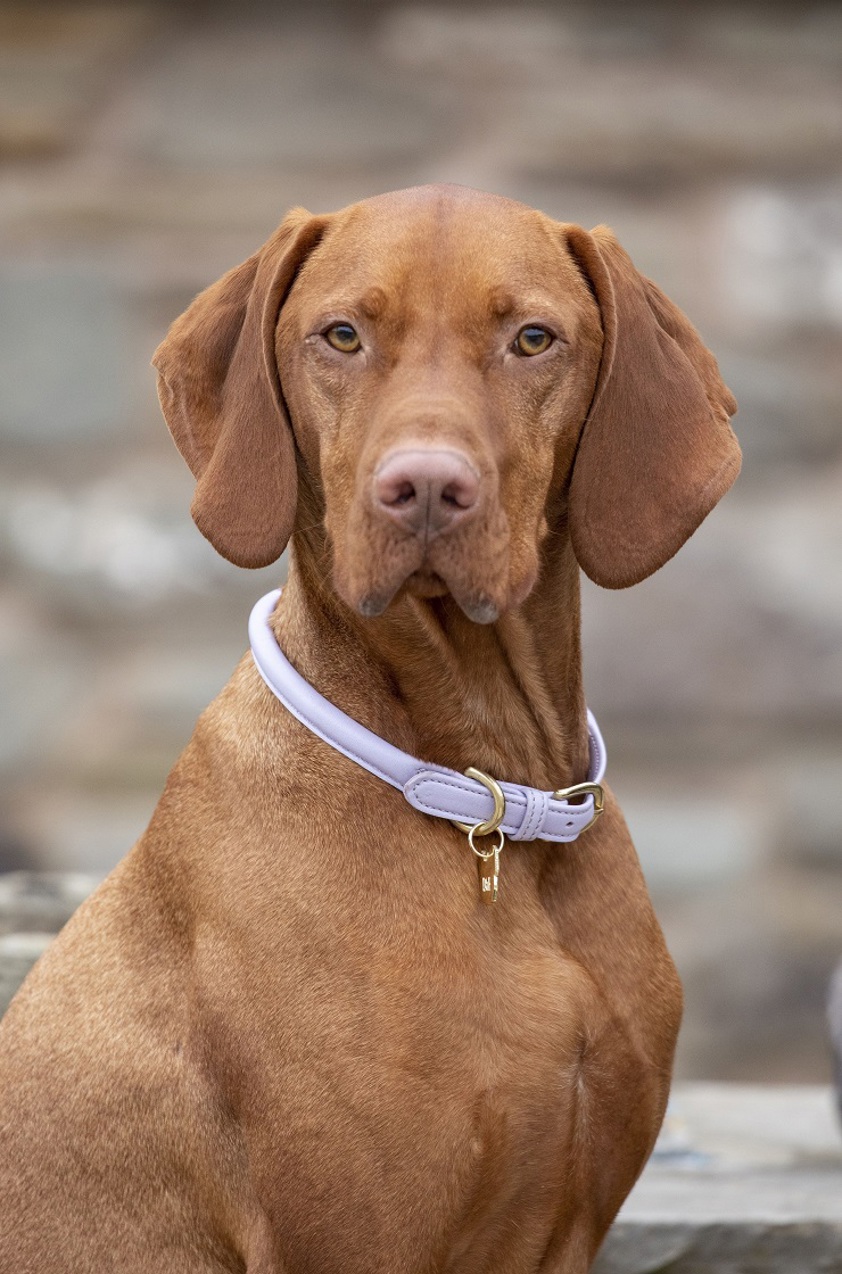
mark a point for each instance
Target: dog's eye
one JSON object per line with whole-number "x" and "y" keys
{"x": 533, "y": 340}
{"x": 343, "y": 336}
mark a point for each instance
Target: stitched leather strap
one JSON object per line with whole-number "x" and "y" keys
{"x": 530, "y": 814}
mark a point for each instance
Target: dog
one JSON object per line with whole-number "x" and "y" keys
{"x": 285, "y": 1035}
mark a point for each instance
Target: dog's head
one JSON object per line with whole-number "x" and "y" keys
{"x": 453, "y": 375}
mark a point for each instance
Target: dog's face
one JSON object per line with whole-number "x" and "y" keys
{"x": 434, "y": 368}
{"x": 431, "y": 359}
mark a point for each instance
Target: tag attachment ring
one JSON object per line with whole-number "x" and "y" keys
{"x": 495, "y": 849}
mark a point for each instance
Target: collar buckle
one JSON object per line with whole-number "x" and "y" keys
{"x": 596, "y": 790}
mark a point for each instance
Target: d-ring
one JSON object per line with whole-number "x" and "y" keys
{"x": 491, "y": 824}
{"x": 584, "y": 789}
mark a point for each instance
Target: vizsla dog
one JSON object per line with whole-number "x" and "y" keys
{"x": 287, "y": 1035}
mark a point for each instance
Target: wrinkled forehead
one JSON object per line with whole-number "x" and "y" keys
{"x": 442, "y": 254}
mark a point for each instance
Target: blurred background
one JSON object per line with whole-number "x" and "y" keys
{"x": 147, "y": 148}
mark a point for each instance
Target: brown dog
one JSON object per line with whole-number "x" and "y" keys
{"x": 284, "y": 1036}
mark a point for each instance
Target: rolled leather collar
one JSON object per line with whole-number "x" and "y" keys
{"x": 530, "y": 814}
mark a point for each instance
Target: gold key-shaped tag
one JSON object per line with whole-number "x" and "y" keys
{"x": 489, "y": 867}
{"x": 489, "y": 877}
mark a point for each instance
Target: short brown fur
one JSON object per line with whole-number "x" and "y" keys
{"x": 284, "y": 1037}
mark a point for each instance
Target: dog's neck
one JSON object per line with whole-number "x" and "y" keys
{"x": 505, "y": 697}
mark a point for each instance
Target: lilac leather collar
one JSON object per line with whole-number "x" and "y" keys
{"x": 433, "y": 789}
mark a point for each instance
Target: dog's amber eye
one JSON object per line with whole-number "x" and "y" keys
{"x": 343, "y": 336}
{"x": 533, "y": 340}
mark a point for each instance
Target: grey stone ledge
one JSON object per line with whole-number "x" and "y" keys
{"x": 745, "y": 1179}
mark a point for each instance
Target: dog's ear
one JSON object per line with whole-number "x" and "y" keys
{"x": 656, "y": 452}
{"x": 221, "y": 395}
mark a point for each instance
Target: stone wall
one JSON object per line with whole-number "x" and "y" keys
{"x": 147, "y": 148}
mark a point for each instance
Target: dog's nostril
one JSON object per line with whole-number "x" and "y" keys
{"x": 403, "y": 495}
{"x": 457, "y": 495}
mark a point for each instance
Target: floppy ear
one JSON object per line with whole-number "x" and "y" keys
{"x": 656, "y": 452}
{"x": 221, "y": 396}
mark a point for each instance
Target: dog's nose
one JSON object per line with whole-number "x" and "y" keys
{"x": 425, "y": 489}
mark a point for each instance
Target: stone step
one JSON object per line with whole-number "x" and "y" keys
{"x": 745, "y": 1179}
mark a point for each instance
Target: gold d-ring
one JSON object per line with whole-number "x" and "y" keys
{"x": 491, "y": 824}
{"x": 584, "y": 789}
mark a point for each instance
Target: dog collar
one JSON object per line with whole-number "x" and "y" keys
{"x": 474, "y": 801}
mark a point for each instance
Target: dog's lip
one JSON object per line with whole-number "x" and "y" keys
{"x": 480, "y": 608}
{"x": 373, "y": 604}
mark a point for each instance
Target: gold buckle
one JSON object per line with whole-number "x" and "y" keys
{"x": 584, "y": 789}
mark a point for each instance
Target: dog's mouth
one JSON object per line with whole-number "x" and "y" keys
{"x": 425, "y": 583}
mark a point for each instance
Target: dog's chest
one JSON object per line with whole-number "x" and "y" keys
{"x": 435, "y": 1131}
